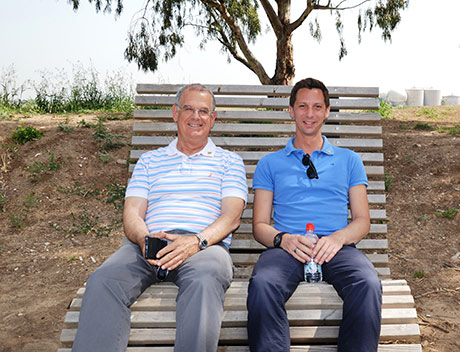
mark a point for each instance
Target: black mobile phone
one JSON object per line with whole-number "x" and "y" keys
{"x": 152, "y": 246}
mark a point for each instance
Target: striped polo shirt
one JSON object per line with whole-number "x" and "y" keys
{"x": 186, "y": 192}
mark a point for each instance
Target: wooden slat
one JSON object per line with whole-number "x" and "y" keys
{"x": 235, "y": 318}
{"x": 259, "y": 142}
{"x": 304, "y": 334}
{"x": 259, "y": 103}
{"x": 259, "y": 116}
{"x": 328, "y": 300}
{"x": 245, "y": 272}
{"x": 298, "y": 348}
{"x": 254, "y": 156}
{"x": 240, "y": 288}
{"x": 376, "y": 214}
{"x": 251, "y": 258}
{"x": 244, "y": 128}
{"x": 253, "y": 245}
{"x": 269, "y": 90}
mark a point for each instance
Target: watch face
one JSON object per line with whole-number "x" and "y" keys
{"x": 203, "y": 244}
{"x": 277, "y": 241}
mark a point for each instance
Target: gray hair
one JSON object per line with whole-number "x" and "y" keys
{"x": 195, "y": 86}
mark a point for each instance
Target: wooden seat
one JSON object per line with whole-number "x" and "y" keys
{"x": 253, "y": 121}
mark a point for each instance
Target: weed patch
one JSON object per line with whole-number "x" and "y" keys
{"x": 86, "y": 224}
{"x": 38, "y": 168}
{"x": 23, "y": 134}
{"x": 388, "y": 181}
{"x": 447, "y": 214}
{"x": 116, "y": 194}
{"x": 423, "y": 126}
{"x": 106, "y": 140}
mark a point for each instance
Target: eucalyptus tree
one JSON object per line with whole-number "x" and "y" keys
{"x": 159, "y": 28}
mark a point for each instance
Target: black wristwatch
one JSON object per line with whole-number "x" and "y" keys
{"x": 277, "y": 239}
{"x": 203, "y": 242}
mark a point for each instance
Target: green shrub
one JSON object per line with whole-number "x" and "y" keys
{"x": 39, "y": 167}
{"x": 419, "y": 274}
{"x": 423, "y": 126}
{"x": 385, "y": 109}
{"x": 388, "y": 181}
{"x": 24, "y": 134}
{"x": 448, "y": 214}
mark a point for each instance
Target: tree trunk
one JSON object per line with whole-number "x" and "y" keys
{"x": 284, "y": 70}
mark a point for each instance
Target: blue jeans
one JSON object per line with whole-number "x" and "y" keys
{"x": 277, "y": 274}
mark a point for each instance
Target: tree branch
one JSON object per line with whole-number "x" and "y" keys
{"x": 253, "y": 63}
{"x": 298, "y": 22}
{"x": 272, "y": 17}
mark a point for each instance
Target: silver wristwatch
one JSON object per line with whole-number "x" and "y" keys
{"x": 203, "y": 244}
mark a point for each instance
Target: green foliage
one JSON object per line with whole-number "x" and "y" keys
{"x": 447, "y": 214}
{"x": 65, "y": 128}
{"x": 86, "y": 224}
{"x": 38, "y": 167}
{"x": 419, "y": 274}
{"x": 23, "y": 134}
{"x": 3, "y": 201}
{"x": 18, "y": 220}
{"x": 388, "y": 181}
{"x": 385, "y": 109}
{"x": 84, "y": 124}
{"x": 107, "y": 140}
{"x": 116, "y": 194}
{"x": 431, "y": 113}
{"x": 423, "y": 126}
{"x": 105, "y": 157}
{"x": 55, "y": 93}
{"x": 79, "y": 190}
{"x": 10, "y": 92}
{"x": 453, "y": 131}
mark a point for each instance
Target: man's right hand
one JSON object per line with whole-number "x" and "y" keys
{"x": 298, "y": 246}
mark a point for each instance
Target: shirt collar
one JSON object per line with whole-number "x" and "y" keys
{"x": 326, "y": 149}
{"x": 208, "y": 150}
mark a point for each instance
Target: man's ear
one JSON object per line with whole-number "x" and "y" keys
{"x": 174, "y": 112}
{"x": 213, "y": 118}
{"x": 328, "y": 111}
{"x": 291, "y": 112}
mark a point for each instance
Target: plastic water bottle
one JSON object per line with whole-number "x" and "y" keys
{"x": 312, "y": 271}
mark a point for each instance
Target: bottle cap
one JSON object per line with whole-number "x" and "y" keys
{"x": 310, "y": 227}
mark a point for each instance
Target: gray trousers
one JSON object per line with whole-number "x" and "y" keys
{"x": 202, "y": 280}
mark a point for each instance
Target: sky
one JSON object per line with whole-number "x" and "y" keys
{"x": 38, "y": 36}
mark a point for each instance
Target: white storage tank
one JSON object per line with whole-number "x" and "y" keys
{"x": 396, "y": 97}
{"x": 414, "y": 97}
{"x": 451, "y": 100}
{"x": 431, "y": 97}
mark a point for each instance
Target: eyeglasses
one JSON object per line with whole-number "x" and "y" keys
{"x": 189, "y": 111}
{"x": 311, "y": 171}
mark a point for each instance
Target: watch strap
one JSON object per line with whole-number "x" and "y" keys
{"x": 278, "y": 238}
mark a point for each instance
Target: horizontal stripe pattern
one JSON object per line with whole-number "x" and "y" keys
{"x": 186, "y": 192}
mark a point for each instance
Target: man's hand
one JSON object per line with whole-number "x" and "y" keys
{"x": 174, "y": 254}
{"x": 327, "y": 247}
{"x": 298, "y": 246}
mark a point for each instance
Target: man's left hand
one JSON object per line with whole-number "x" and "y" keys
{"x": 326, "y": 248}
{"x": 180, "y": 249}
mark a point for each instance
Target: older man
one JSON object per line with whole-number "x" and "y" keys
{"x": 191, "y": 194}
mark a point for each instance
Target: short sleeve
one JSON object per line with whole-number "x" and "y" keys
{"x": 138, "y": 184}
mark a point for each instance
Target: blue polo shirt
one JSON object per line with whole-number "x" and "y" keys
{"x": 298, "y": 200}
